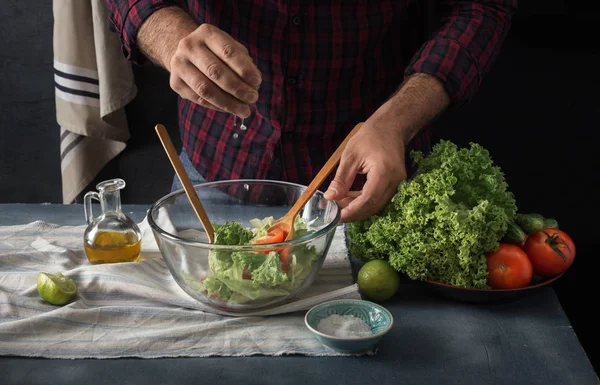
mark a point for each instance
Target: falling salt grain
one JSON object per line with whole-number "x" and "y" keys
{"x": 345, "y": 326}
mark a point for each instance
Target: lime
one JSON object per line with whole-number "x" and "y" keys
{"x": 378, "y": 280}
{"x": 56, "y": 288}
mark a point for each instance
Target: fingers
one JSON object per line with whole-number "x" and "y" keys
{"x": 187, "y": 93}
{"x": 215, "y": 71}
{"x": 188, "y": 75}
{"x": 352, "y": 195}
{"x": 234, "y": 55}
{"x": 222, "y": 75}
{"x": 375, "y": 195}
{"x": 344, "y": 177}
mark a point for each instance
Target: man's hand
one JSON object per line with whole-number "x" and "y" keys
{"x": 378, "y": 148}
{"x": 207, "y": 65}
{"x": 210, "y": 68}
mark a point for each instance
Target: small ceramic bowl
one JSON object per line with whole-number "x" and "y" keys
{"x": 378, "y": 318}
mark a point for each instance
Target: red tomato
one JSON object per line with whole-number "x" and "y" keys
{"x": 509, "y": 268}
{"x": 275, "y": 236}
{"x": 246, "y": 274}
{"x": 551, "y": 252}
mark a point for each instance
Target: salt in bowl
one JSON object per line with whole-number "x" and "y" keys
{"x": 378, "y": 318}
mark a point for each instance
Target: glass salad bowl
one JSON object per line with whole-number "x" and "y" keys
{"x": 239, "y": 273}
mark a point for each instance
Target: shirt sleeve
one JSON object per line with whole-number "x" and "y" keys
{"x": 125, "y": 17}
{"x": 463, "y": 49}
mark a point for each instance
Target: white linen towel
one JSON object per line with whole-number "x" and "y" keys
{"x": 137, "y": 309}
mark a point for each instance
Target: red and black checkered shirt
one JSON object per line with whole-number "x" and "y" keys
{"x": 326, "y": 65}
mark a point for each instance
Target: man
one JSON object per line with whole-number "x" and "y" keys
{"x": 302, "y": 74}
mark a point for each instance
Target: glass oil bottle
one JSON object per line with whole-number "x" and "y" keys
{"x": 112, "y": 236}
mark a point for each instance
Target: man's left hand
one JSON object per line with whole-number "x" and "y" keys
{"x": 377, "y": 150}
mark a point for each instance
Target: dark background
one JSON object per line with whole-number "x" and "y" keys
{"x": 536, "y": 112}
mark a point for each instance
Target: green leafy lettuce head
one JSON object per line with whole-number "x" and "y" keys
{"x": 440, "y": 224}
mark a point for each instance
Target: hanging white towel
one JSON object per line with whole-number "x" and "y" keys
{"x": 93, "y": 83}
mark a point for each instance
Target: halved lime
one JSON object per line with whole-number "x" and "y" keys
{"x": 56, "y": 288}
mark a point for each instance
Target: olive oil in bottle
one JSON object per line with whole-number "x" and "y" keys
{"x": 113, "y": 236}
{"x": 113, "y": 246}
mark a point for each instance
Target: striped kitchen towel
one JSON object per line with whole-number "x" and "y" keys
{"x": 93, "y": 84}
{"x": 137, "y": 309}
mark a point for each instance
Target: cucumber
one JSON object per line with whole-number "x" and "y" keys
{"x": 514, "y": 234}
{"x": 550, "y": 223}
{"x": 530, "y": 223}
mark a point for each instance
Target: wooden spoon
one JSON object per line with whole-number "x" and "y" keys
{"x": 185, "y": 181}
{"x": 286, "y": 223}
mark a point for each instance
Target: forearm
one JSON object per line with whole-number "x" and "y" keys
{"x": 160, "y": 34}
{"x": 419, "y": 100}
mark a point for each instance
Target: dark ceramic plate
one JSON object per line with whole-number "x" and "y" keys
{"x": 489, "y": 296}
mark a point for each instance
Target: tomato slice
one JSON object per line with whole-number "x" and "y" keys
{"x": 274, "y": 236}
{"x": 284, "y": 258}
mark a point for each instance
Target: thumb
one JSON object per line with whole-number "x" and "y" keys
{"x": 344, "y": 178}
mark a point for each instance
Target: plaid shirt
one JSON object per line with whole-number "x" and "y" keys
{"x": 326, "y": 65}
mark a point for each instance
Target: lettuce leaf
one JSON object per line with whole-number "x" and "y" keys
{"x": 269, "y": 273}
{"x": 261, "y": 226}
{"x": 216, "y": 288}
{"x": 231, "y": 233}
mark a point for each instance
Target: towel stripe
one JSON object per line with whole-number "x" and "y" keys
{"x": 78, "y": 78}
{"x": 78, "y": 139}
{"x": 74, "y": 91}
{"x": 80, "y": 86}
{"x": 76, "y": 71}
{"x": 63, "y": 134}
{"x": 77, "y": 99}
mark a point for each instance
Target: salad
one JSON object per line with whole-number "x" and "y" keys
{"x": 242, "y": 276}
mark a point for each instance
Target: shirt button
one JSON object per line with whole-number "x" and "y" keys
{"x": 288, "y": 136}
{"x": 291, "y": 81}
{"x": 296, "y": 20}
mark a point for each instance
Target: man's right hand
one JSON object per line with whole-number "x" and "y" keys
{"x": 207, "y": 65}
{"x": 210, "y": 68}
